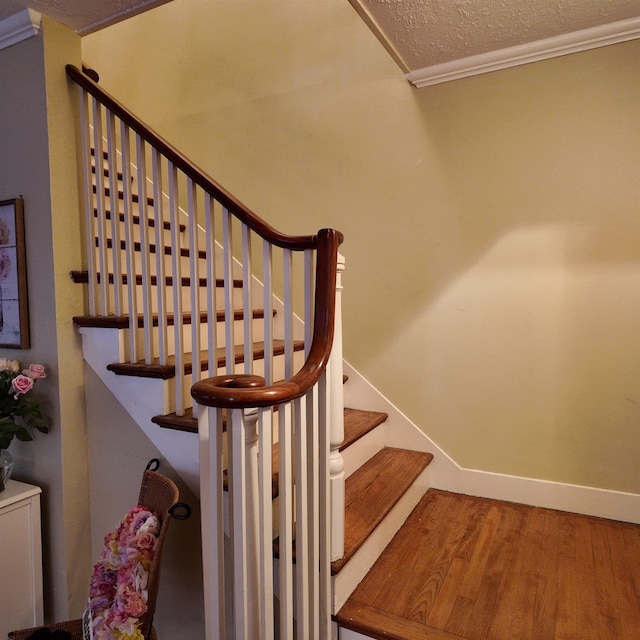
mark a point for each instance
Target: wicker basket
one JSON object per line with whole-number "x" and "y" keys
{"x": 158, "y": 493}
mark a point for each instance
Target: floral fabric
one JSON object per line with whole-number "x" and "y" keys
{"x": 118, "y": 591}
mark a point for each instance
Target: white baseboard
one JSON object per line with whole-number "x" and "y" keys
{"x": 602, "y": 503}
{"x": 446, "y": 474}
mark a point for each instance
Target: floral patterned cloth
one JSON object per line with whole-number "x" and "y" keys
{"x": 118, "y": 590}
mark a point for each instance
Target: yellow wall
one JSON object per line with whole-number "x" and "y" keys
{"x": 38, "y": 162}
{"x": 492, "y": 233}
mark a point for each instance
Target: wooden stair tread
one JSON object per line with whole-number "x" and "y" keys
{"x": 82, "y": 277}
{"x": 178, "y": 423}
{"x": 136, "y": 220}
{"x": 165, "y": 371}
{"x": 137, "y": 247}
{"x": 373, "y": 490}
{"x": 123, "y": 321}
{"x": 358, "y": 422}
{"x": 120, "y": 195}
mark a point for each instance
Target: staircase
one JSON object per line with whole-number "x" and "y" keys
{"x": 166, "y": 316}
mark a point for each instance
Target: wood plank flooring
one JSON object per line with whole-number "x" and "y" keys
{"x": 465, "y": 568}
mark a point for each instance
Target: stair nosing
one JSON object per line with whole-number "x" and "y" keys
{"x": 82, "y": 277}
{"x": 167, "y": 371}
{"x": 123, "y": 321}
{"x": 167, "y": 250}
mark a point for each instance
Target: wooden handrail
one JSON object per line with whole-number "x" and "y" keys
{"x": 199, "y": 177}
{"x": 243, "y": 391}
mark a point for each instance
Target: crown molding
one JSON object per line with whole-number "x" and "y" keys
{"x": 19, "y": 26}
{"x": 563, "y": 45}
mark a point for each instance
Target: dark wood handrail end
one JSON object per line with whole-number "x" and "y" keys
{"x": 92, "y": 73}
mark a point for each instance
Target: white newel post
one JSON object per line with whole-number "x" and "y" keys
{"x": 336, "y": 425}
{"x": 243, "y": 521}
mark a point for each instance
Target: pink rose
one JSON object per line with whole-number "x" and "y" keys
{"x": 146, "y": 540}
{"x": 35, "y": 371}
{"x": 22, "y": 384}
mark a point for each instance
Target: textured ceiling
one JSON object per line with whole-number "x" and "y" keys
{"x": 419, "y": 34}
{"x": 424, "y": 33}
{"x": 83, "y": 16}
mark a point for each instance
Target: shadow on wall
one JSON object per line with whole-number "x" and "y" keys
{"x": 524, "y": 345}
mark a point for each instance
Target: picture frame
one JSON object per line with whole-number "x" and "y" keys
{"x": 14, "y": 304}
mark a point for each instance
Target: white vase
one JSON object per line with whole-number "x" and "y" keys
{"x": 6, "y": 467}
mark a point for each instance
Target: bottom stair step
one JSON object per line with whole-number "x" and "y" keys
{"x": 464, "y": 567}
{"x": 373, "y": 490}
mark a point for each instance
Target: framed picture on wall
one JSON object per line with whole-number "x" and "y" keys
{"x": 14, "y": 310}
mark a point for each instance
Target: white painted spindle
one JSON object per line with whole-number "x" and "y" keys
{"x": 336, "y": 424}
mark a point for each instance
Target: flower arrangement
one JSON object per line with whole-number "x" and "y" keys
{"x": 17, "y": 406}
{"x": 118, "y": 590}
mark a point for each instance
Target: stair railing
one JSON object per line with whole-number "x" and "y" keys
{"x": 184, "y": 265}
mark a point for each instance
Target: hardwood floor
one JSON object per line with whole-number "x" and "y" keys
{"x": 471, "y": 568}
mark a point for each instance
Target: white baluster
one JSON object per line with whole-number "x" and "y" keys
{"x": 324, "y": 508}
{"x": 227, "y": 252}
{"x": 247, "y": 299}
{"x": 336, "y": 422}
{"x": 287, "y": 263}
{"x": 176, "y": 273}
{"x": 145, "y": 254}
{"x": 304, "y": 521}
{"x": 267, "y": 259}
{"x": 130, "y": 259}
{"x": 101, "y": 218}
{"x": 90, "y": 222}
{"x": 265, "y": 553}
{"x": 212, "y": 317}
{"x": 161, "y": 293}
{"x": 285, "y": 499}
{"x": 116, "y": 248}
{"x": 194, "y": 274}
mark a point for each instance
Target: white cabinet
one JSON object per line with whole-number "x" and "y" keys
{"x": 20, "y": 557}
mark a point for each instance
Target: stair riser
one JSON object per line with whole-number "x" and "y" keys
{"x": 121, "y": 256}
{"x": 347, "y": 634}
{"x": 363, "y": 449}
{"x": 165, "y": 236}
{"x": 187, "y": 336}
{"x": 185, "y": 294}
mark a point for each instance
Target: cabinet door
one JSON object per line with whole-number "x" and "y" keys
{"x": 20, "y": 579}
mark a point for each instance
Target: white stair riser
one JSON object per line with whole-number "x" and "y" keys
{"x": 187, "y": 336}
{"x": 356, "y": 454}
{"x": 347, "y": 634}
{"x": 165, "y": 236}
{"x": 185, "y": 293}
{"x": 121, "y": 257}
